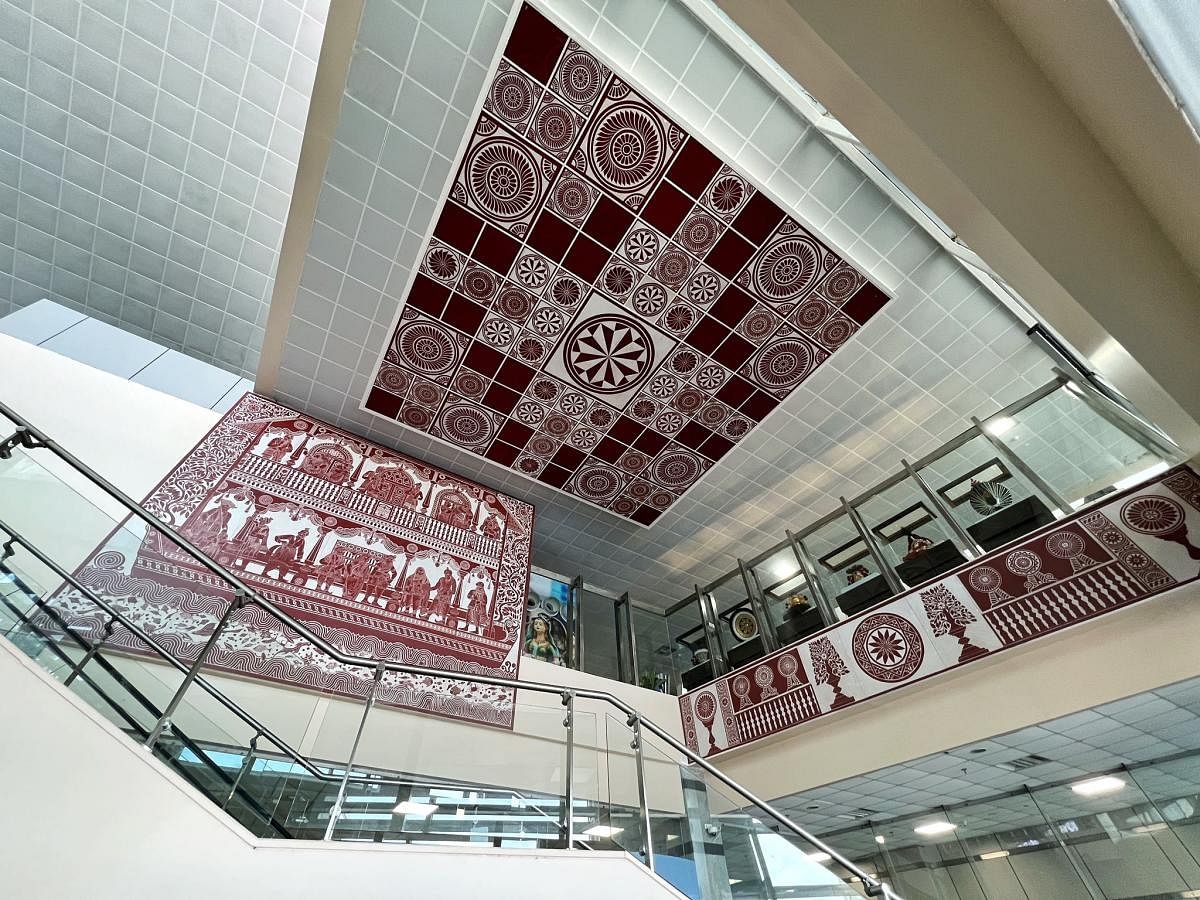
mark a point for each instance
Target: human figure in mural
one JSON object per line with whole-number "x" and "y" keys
{"x": 356, "y": 574}
{"x": 392, "y": 485}
{"x": 257, "y": 537}
{"x": 493, "y": 527}
{"x": 210, "y": 532}
{"x": 282, "y": 557}
{"x": 453, "y": 508}
{"x": 416, "y": 592}
{"x": 378, "y": 580}
{"x": 476, "y": 608}
{"x": 278, "y": 447}
{"x": 445, "y": 593}
{"x": 330, "y": 569}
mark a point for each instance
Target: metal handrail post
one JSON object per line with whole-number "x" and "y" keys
{"x": 758, "y": 603}
{"x": 885, "y": 567}
{"x": 91, "y": 651}
{"x": 240, "y": 599}
{"x": 635, "y": 723}
{"x": 618, "y": 640}
{"x": 1059, "y": 505}
{"x": 636, "y": 680}
{"x": 335, "y": 811}
{"x": 966, "y": 541}
{"x": 247, "y": 763}
{"x": 568, "y": 816}
{"x": 824, "y": 604}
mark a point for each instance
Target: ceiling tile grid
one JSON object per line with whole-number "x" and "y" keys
{"x": 893, "y": 394}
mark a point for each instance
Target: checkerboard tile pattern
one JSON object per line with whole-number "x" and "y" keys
{"x": 605, "y": 305}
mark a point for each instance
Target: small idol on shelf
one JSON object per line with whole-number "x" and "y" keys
{"x": 856, "y": 572}
{"x": 917, "y": 544}
{"x": 797, "y": 605}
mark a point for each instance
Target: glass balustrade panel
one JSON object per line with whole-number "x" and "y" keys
{"x": 689, "y": 649}
{"x": 913, "y": 537}
{"x": 656, "y": 669}
{"x": 788, "y": 597}
{"x": 844, "y": 566}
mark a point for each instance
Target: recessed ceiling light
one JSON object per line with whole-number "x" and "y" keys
{"x": 999, "y": 426}
{"x": 1151, "y": 828}
{"x": 880, "y": 839}
{"x": 819, "y": 856}
{"x": 995, "y": 854}
{"x": 409, "y": 808}
{"x": 603, "y": 831}
{"x": 1098, "y": 787}
{"x": 930, "y": 829}
{"x": 784, "y": 569}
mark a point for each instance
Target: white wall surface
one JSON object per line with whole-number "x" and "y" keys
{"x": 90, "y": 816}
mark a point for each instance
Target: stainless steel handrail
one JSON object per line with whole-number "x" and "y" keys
{"x": 29, "y": 436}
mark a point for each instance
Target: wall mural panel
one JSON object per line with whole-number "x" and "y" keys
{"x": 604, "y": 305}
{"x": 383, "y": 556}
{"x": 1136, "y": 545}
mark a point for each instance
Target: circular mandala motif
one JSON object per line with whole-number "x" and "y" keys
{"x": 887, "y": 647}
{"x": 697, "y": 233}
{"x": 783, "y": 363}
{"x": 581, "y": 77}
{"x": 676, "y": 469}
{"x": 584, "y": 438}
{"x": 788, "y": 666}
{"x": 627, "y": 146}
{"x": 679, "y": 318}
{"x": 633, "y": 461}
{"x": 703, "y": 288}
{"x": 663, "y": 387}
{"x": 597, "y": 483}
{"x": 514, "y": 303}
{"x": 727, "y": 194}
{"x": 565, "y": 292}
{"x": 1023, "y": 562}
{"x": 712, "y": 415}
{"x": 393, "y": 379}
{"x": 557, "y": 425}
{"x": 555, "y": 127}
{"x": 478, "y": 284}
{"x": 529, "y": 413}
{"x": 532, "y": 271}
{"x": 706, "y": 708}
{"x": 710, "y": 377}
{"x": 416, "y": 417}
{"x": 531, "y": 350}
{"x": 529, "y": 465}
{"x": 673, "y": 266}
{"x": 618, "y": 280}
{"x": 542, "y": 445}
{"x": 1152, "y": 515}
{"x": 608, "y": 353}
{"x": 641, "y": 246}
{"x": 512, "y": 97}
{"x": 1067, "y": 544}
{"x": 572, "y": 197}
{"x": 502, "y": 179}
{"x": 985, "y": 579}
{"x": 684, "y": 362}
{"x": 426, "y": 348}
{"x": 669, "y": 422}
{"x": 469, "y": 384}
{"x": 573, "y": 404}
{"x": 1136, "y": 560}
{"x": 758, "y": 325}
{"x": 689, "y": 400}
{"x": 788, "y": 268}
{"x": 643, "y": 409}
{"x": 545, "y": 390}
{"x": 736, "y": 428}
{"x": 498, "y": 333}
{"x": 624, "y": 506}
{"x": 441, "y": 263}
{"x": 835, "y": 332}
{"x": 600, "y": 417}
{"x": 546, "y": 322}
{"x": 841, "y": 284}
{"x": 811, "y": 313}
{"x": 649, "y": 299}
{"x": 640, "y": 490}
{"x": 426, "y": 394}
{"x": 661, "y": 499}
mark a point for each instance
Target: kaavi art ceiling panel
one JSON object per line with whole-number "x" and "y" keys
{"x": 604, "y": 305}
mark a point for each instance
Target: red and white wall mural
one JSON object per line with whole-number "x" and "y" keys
{"x": 1097, "y": 561}
{"x": 604, "y": 305}
{"x": 383, "y": 556}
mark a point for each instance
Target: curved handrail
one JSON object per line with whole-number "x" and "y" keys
{"x": 30, "y": 437}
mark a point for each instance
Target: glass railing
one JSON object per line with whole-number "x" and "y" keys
{"x": 579, "y": 767}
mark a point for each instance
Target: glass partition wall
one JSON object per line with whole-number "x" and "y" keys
{"x": 1061, "y": 447}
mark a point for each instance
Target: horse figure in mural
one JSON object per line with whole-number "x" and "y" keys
{"x": 284, "y": 555}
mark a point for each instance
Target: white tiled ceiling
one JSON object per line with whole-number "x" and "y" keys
{"x": 1143, "y": 727}
{"x": 944, "y": 349}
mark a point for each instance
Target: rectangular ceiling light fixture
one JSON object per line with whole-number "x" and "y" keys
{"x": 1098, "y": 787}
{"x": 605, "y": 305}
{"x": 995, "y": 854}
{"x": 932, "y": 829}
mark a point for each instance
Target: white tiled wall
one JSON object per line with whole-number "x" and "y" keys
{"x": 147, "y": 154}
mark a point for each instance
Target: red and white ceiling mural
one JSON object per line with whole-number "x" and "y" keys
{"x": 605, "y": 305}
{"x": 381, "y": 555}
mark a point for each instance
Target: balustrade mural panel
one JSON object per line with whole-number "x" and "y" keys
{"x": 1136, "y": 545}
{"x": 383, "y": 556}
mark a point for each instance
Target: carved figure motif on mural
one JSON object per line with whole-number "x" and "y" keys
{"x": 381, "y": 555}
{"x": 588, "y": 243}
{"x": 948, "y": 615}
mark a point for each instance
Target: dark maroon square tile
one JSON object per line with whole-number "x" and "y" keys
{"x": 515, "y": 375}
{"x": 551, "y": 236}
{"x": 463, "y": 314}
{"x": 732, "y": 306}
{"x": 496, "y": 250}
{"x": 758, "y": 218}
{"x": 501, "y": 399}
{"x": 865, "y": 303}
{"x": 734, "y": 352}
{"x": 608, "y": 222}
{"x": 735, "y": 391}
{"x": 625, "y": 430}
{"x": 730, "y": 254}
{"x": 483, "y": 359}
{"x": 666, "y": 208}
{"x": 651, "y": 442}
{"x": 716, "y": 447}
{"x": 428, "y": 295}
{"x": 586, "y": 258}
{"x": 503, "y": 453}
{"x": 513, "y": 432}
{"x": 707, "y": 335}
{"x": 555, "y": 476}
{"x": 457, "y": 227}
{"x": 609, "y": 450}
{"x": 646, "y": 515}
{"x": 535, "y": 43}
{"x": 382, "y": 402}
{"x": 694, "y": 168}
{"x": 759, "y": 404}
{"x": 569, "y": 457}
{"x": 693, "y": 435}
